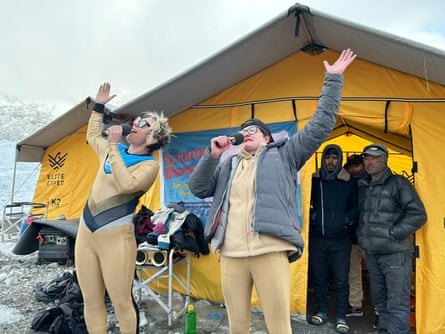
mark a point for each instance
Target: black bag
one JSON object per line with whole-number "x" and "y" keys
{"x": 57, "y": 288}
{"x": 192, "y": 226}
{"x": 67, "y": 316}
{"x": 62, "y": 319}
{"x": 43, "y": 320}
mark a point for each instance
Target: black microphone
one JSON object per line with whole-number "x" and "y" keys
{"x": 126, "y": 129}
{"x": 235, "y": 139}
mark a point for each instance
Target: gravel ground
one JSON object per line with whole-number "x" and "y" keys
{"x": 18, "y": 277}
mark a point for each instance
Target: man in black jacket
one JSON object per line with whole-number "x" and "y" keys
{"x": 354, "y": 166}
{"x": 390, "y": 212}
{"x": 333, "y": 206}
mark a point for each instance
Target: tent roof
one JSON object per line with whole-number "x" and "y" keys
{"x": 299, "y": 28}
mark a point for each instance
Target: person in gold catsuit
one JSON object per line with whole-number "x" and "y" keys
{"x": 105, "y": 250}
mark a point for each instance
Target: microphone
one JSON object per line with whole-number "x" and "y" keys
{"x": 126, "y": 129}
{"x": 235, "y": 139}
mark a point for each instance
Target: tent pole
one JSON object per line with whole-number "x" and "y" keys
{"x": 14, "y": 173}
{"x": 161, "y": 178}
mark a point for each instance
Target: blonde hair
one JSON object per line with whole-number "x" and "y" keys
{"x": 159, "y": 129}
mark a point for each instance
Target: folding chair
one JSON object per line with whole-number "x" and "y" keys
{"x": 15, "y": 213}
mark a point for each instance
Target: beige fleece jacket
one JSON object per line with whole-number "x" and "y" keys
{"x": 240, "y": 240}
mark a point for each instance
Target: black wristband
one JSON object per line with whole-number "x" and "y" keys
{"x": 99, "y": 107}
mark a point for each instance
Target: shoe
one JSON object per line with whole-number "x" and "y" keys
{"x": 341, "y": 326}
{"x": 319, "y": 319}
{"x": 354, "y": 312}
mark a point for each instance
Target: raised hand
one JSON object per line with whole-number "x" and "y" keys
{"x": 103, "y": 94}
{"x": 345, "y": 59}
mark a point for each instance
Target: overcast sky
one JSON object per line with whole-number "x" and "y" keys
{"x": 60, "y": 51}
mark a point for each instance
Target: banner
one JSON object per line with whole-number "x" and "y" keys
{"x": 183, "y": 154}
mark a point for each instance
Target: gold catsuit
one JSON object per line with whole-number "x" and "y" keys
{"x": 105, "y": 255}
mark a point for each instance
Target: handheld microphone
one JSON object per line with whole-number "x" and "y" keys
{"x": 235, "y": 139}
{"x": 126, "y": 129}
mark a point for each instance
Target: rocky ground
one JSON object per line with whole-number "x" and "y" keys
{"x": 18, "y": 277}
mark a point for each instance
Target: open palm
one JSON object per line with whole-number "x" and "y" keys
{"x": 103, "y": 94}
{"x": 340, "y": 65}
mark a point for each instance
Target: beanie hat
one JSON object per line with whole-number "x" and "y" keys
{"x": 260, "y": 124}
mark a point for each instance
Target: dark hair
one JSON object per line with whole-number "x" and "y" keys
{"x": 353, "y": 159}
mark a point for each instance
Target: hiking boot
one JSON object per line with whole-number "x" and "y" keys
{"x": 341, "y": 326}
{"x": 319, "y": 319}
{"x": 354, "y": 312}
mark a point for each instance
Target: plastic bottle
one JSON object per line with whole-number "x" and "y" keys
{"x": 190, "y": 320}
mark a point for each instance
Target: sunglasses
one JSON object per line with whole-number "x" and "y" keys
{"x": 140, "y": 122}
{"x": 250, "y": 131}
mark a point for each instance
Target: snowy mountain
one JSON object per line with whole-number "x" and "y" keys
{"x": 18, "y": 120}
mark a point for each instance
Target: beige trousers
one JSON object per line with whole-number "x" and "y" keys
{"x": 355, "y": 277}
{"x": 270, "y": 274}
{"x": 106, "y": 259}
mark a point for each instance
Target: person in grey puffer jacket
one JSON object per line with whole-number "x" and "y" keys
{"x": 390, "y": 212}
{"x": 253, "y": 219}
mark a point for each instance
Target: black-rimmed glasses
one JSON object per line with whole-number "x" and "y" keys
{"x": 250, "y": 131}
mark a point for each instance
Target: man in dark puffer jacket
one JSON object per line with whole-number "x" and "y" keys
{"x": 390, "y": 212}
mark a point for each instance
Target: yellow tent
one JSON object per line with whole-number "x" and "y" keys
{"x": 394, "y": 94}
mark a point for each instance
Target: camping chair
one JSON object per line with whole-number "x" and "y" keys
{"x": 162, "y": 267}
{"x": 15, "y": 214}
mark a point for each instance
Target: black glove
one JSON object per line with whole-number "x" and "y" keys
{"x": 295, "y": 256}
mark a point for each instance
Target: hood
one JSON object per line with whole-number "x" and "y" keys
{"x": 325, "y": 175}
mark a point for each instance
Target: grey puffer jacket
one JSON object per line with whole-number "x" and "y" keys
{"x": 390, "y": 211}
{"x": 275, "y": 207}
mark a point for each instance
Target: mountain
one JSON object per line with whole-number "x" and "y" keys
{"x": 19, "y": 119}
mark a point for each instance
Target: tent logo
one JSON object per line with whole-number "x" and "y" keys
{"x": 56, "y": 162}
